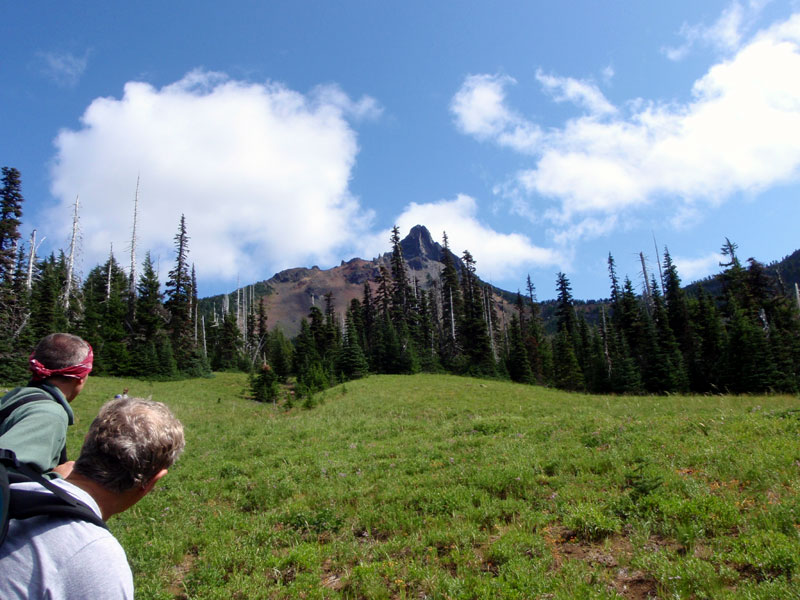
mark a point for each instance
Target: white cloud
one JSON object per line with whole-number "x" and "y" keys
{"x": 581, "y": 93}
{"x": 497, "y": 255}
{"x": 739, "y": 133}
{"x": 725, "y": 34}
{"x": 260, "y": 171}
{"x": 692, "y": 269}
{"x": 480, "y": 110}
{"x": 64, "y": 69}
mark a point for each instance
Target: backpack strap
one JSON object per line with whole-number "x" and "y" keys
{"x": 23, "y": 504}
{"x": 32, "y": 397}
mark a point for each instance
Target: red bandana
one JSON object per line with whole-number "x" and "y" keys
{"x": 79, "y": 371}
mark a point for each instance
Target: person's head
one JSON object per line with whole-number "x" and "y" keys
{"x": 131, "y": 442}
{"x": 64, "y": 360}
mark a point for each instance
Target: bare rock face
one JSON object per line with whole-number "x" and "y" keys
{"x": 418, "y": 248}
{"x": 291, "y": 293}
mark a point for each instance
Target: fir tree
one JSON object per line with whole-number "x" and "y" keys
{"x": 451, "y": 308}
{"x": 264, "y": 384}
{"x": 517, "y": 364}
{"x": 473, "y": 330}
{"x": 706, "y": 368}
{"x": 10, "y": 213}
{"x": 280, "y": 354}
{"x": 105, "y": 297}
{"x": 178, "y": 303}
{"x": 227, "y": 350}
{"x": 351, "y": 362}
{"x": 567, "y": 374}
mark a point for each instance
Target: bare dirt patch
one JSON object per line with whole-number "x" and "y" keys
{"x": 610, "y": 555}
{"x": 176, "y": 588}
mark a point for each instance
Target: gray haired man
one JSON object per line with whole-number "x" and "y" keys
{"x": 129, "y": 447}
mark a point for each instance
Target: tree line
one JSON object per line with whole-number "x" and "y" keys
{"x": 134, "y": 327}
{"x": 660, "y": 341}
{"x": 663, "y": 340}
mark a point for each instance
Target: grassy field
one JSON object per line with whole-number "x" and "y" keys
{"x": 446, "y": 487}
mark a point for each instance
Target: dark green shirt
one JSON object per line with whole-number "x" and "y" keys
{"x": 36, "y": 431}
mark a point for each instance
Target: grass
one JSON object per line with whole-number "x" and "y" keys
{"x": 444, "y": 487}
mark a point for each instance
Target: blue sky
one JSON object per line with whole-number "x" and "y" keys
{"x": 539, "y": 135}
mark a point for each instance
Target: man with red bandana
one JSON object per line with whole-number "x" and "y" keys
{"x": 34, "y": 418}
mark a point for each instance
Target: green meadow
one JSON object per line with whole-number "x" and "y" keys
{"x": 434, "y": 486}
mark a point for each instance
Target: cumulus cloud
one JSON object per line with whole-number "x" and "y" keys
{"x": 260, "y": 171}
{"x": 739, "y": 133}
{"x": 497, "y": 255}
{"x": 480, "y": 110}
{"x": 64, "y": 69}
{"x": 581, "y": 93}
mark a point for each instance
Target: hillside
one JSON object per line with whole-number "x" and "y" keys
{"x": 289, "y": 295}
{"x": 788, "y": 269}
{"x": 433, "y": 486}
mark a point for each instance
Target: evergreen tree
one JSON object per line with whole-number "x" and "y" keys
{"x": 517, "y": 363}
{"x": 625, "y": 375}
{"x": 709, "y": 337}
{"x": 677, "y": 308}
{"x": 567, "y": 374}
{"x": 227, "y": 349}
{"x": 150, "y": 319}
{"x": 10, "y": 213}
{"x": 47, "y": 314}
{"x": 425, "y": 339}
{"x": 665, "y": 371}
{"x": 749, "y": 367}
{"x": 305, "y": 350}
{"x": 539, "y": 350}
{"x": 451, "y": 308}
{"x": 567, "y": 320}
{"x": 179, "y": 302}
{"x": 473, "y": 330}
{"x": 15, "y": 338}
{"x": 351, "y": 362}
{"x": 368, "y": 323}
{"x": 264, "y": 384}
{"x": 105, "y": 297}
{"x": 280, "y": 354}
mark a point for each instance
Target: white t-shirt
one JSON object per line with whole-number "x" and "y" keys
{"x": 57, "y": 558}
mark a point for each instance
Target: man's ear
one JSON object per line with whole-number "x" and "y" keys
{"x": 147, "y": 487}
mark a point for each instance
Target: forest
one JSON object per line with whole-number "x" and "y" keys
{"x": 662, "y": 340}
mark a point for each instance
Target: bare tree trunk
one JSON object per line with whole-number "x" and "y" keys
{"x": 71, "y": 258}
{"x": 452, "y": 318}
{"x": 238, "y": 304}
{"x": 205, "y": 351}
{"x": 660, "y": 272}
{"x": 108, "y": 274}
{"x": 648, "y": 292}
{"x": 132, "y": 279}
{"x": 605, "y": 343}
{"x": 487, "y": 303}
{"x": 797, "y": 295}
{"x": 31, "y": 260}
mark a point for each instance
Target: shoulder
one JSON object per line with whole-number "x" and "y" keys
{"x": 98, "y": 570}
{"x": 45, "y": 407}
{"x": 41, "y": 399}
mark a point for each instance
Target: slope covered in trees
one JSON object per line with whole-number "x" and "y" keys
{"x": 420, "y": 307}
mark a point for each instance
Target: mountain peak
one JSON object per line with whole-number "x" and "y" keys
{"x": 418, "y": 246}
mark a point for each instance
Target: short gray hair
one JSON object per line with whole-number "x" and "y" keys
{"x": 60, "y": 350}
{"x": 129, "y": 442}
